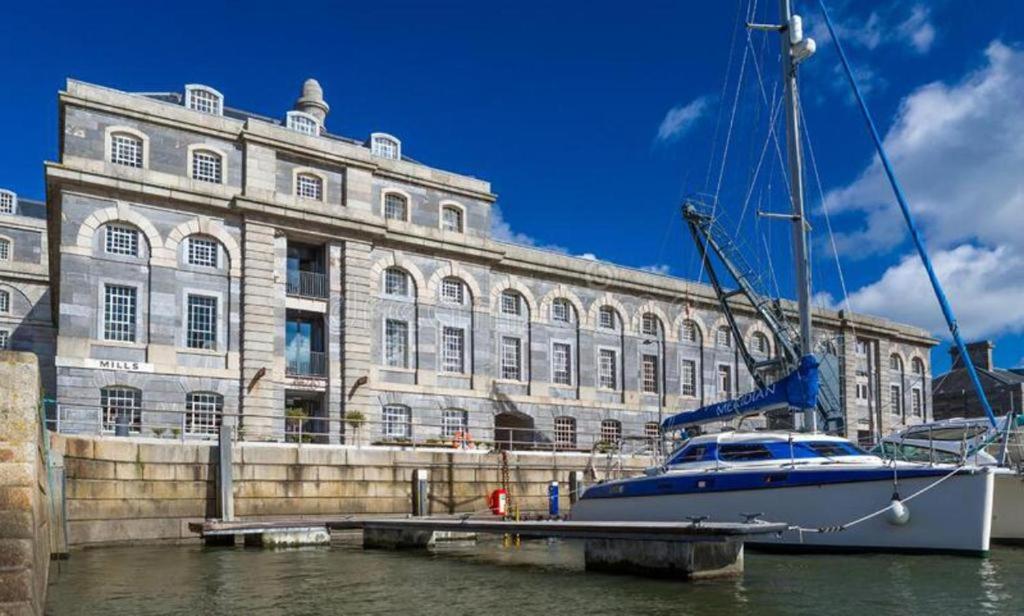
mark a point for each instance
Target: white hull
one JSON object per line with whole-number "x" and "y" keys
{"x": 955, "y": 516}
{"x": 1008, "y": 507}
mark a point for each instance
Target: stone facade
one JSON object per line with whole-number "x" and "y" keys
{"x": 954, "y": 393}
{"x": 350, "y": 278}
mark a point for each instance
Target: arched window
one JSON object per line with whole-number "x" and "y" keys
{"x": 396, "y": 206}
{"x": 207, "y": 166}
{"x": 5, "y": 339}
{"x": 453, "y": 291}
{"x": 895, "y": 362}
{"x": 454, "y": 421}
{"x": 121, "y": 406}
{"x": 723, "y": 336}
{"x": 120, "y": 239}
{"x": 126, "y": 149}
{"x": 451, "y": 218}
{"x": 303, "y": 123}
{"x": 5, "y": 301}
{"x": 917, "y": 366}
{"x": 397, "y": 422}
{"x": 565, "y": 432}
{"x": 8, "y": 202}
{"x": 385, "y": 146}
{"x": 690, "y": 333}
{"x": 611, "y": 432}
{"x": 397, "y": 283}
{"x": 759, "y": 343}
{"x": 204, "y": 99}
{"x": 512, "y": 303}
{"x": 607, "y": 318}
{"x": 650, "y": 324}
{"x": 309, "y": 186}
{"x": 203, "y": 410}
{"x": 5, "y": 249}
{"x": 562, "y": 310}
{"x": 203, "y": 251}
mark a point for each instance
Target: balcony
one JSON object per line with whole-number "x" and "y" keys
{"x": 309, "y": 363}
{"x": 306, "y": 284}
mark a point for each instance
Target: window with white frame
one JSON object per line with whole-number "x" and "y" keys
{"x": 203, "y": 412}
{"x": 5, "y": 339}
{"x": 760, "y": 343}
{"x": 121, "y": 240}
{"x": 724, "y": 381}
{"x": 723, "y": 336}
{"x": 565, "y": 432}
{"x": 895, "y": 362}
{"x": 119, "y": 306}
{"x": 895, "y": 400}
{"x": 510, "y": 303}
{"x": 561, "y": 363}
{"x": 606, "y": 317}
{"x": 561, "y": 310}
{"x": 453, "y": 350}
{"x": 396, "y": 343}
{"x": 862, "y": 348}
{"x": 203, "y": 252}
{"x": 611, "y": 432}
{"x": 385, "y": 146}
{"x": 126, "y": 149}
{"x": 303, "y": 123}
{"x": 396, "y": 206}
{"x": 397, "y": 422}
{"x": 309, "y": 186}
{"x": 5, "y": 249}
{"x": 5, "y": 301}
{"x": 453, "y": 291}
{"x": 396, "y": 282}
{"x": 917, "y": 366}
{"x": 202, "y": 322}
{"x": 916, "y": 402}
{"x": 451, "y": 218}
{"x": 454, "y": 421}
{"x": 652, "y": 432}
{"x": 121, "y": 405}
{"x": 207, "y": 166}
{"x": 649, "y": 370}
{"x": 511, "y": 358}
{"x": 690, "y": 332}
{"x": 607, "y": 369}
{"x": 688, "y": 377}
{"x": 649, "y": 324}
{"x": 7, "y": 200}
{"x": 206, "y": 100}
{"x": 861, "y": 386}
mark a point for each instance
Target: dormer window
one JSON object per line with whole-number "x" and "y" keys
{"x": 309, "y": 186}
{"x": 8, "y": 201}
{"x": 451, "y": 218}
{"x": 204, "y": 99}
{"x": 385, "y": 146}
{"x": 303, "y": 123}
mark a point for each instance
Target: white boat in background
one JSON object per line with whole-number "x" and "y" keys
{"x": 821, "y": 485}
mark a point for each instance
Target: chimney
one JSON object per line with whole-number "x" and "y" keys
{"x": 980, "y": 353}
{"x": 312, "y": 101}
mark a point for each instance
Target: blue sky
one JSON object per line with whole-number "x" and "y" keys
{"x": 592, "y": 120}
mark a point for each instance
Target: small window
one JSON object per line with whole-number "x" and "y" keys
{"x": 385, "y": 146}
{"x": 862, "y": 348}
{"x": 207, "y": 166}
{"x": 121, "y": 405}
{"x": 561, "y": 363}
{"x": 688, "y": 378}
{"x": 203, "y": 412}
{"x": 649, "y": 371}
{"x": 917, "y": 366}
{"x": 303, "y": 123}
{"x": 607, "y": 369}
{"x": 126, "y": 150}
{"x": 565, "y": 432}
{"x": 202, "y": 252}
{"x": 5, "y": 249}
{"x": 8, "y": 201}
{"x": 204, "y": 99}
{"x": 744, "y": 452}
{"x": 397, "y": 422}
{"x": 452, "y": 291}
{"x": 606, "y": 317}
{"x": 396, "y": 282}
{"x": 396, "y": 343}
{"x": 652, "y": 432}
{"x": 916, "y": 402}
{"x": 5, "y": 339}
{"x": 760, "y": 343}
{"x": 202, "y": 322}
{"x": 5, "y": 302}
{"x": 510, "y": 303}
{"x": 689, "y": 332}
{"x": 895, "y": 400}
{"x": 723, "y": 336}
{"x": 453, "y": 350}
{"x": 511, "y": 358}
{"x": 122, "y": 241}
{"x": 724, "y": 381}
{"x": 396, "y": 207}
{"x": 309, "y": 186}
{"x": 650, "y": 325}
{"x": 451, "y": 218}
{"x": 119, "y": 309}
{"x": 611, "y": 432}
{"x": 895, "y": 363}
{"x": 561, "y": 310}
{"x": 453, "y": 422}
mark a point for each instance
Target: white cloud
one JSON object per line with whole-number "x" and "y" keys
{"x": 503, "y": 232}
{"x": 661, "y": 269}
{"x": 913, "y": 29}
{"x": 680, "y": 119}
{"x": 959, "y": 151}
{"x": 589, "y": 256}
{"x": 918, "y": 30}
{"x": 984, "y": 286}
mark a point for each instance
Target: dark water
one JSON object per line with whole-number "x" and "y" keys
{"x": 538, "y": 578}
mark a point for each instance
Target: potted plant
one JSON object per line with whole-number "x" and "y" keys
{"x": 355, "y": 420}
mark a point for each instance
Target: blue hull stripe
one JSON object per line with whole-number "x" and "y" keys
{"x": 746, "y": 480}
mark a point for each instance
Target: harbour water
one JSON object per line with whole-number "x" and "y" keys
{"x": 537, "y": 577}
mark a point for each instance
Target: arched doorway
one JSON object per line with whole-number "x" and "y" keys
{"x": 513, "y": 430}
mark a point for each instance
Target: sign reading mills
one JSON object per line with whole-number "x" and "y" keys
{"x": 116, "y": 364}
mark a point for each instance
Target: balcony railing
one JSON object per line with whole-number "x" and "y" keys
{"x": 312, "y": 363}
{"x": 307, "y": 284}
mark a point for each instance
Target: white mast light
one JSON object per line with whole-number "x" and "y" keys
{"x": 796, "y": 30}
{"x": 801, "y": 48}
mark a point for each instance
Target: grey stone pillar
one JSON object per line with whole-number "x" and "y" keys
{"x": 262, "y": 396}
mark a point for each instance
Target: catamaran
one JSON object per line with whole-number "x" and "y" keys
{"x": 833, "y": 494}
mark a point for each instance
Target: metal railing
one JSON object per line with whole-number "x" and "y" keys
{"x": 307, "y": 284}
{"x": 312, "y": 363}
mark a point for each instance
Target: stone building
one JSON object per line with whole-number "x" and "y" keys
{"x": 954, "y": 394}
{"x": 25, "y": 323}
{"x": 209, "y": 261}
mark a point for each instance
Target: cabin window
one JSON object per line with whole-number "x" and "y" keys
{"x": 693, "y": 454}
{"x": 744, "y": 452}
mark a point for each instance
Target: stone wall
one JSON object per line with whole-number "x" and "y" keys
{"x": 142, "y": 490}
{"x": 24, "y": 504}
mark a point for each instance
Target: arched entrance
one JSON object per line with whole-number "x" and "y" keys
{"x": 513, "y": 430}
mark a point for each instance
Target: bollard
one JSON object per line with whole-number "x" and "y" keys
{"x": 576, "y": 486}
{"x": 420, "y": 492}
{"x": 553, "y": 499}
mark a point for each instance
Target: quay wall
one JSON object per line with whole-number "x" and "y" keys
{"x": 144, "y": 490}
{"x": 24, "y": 500}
